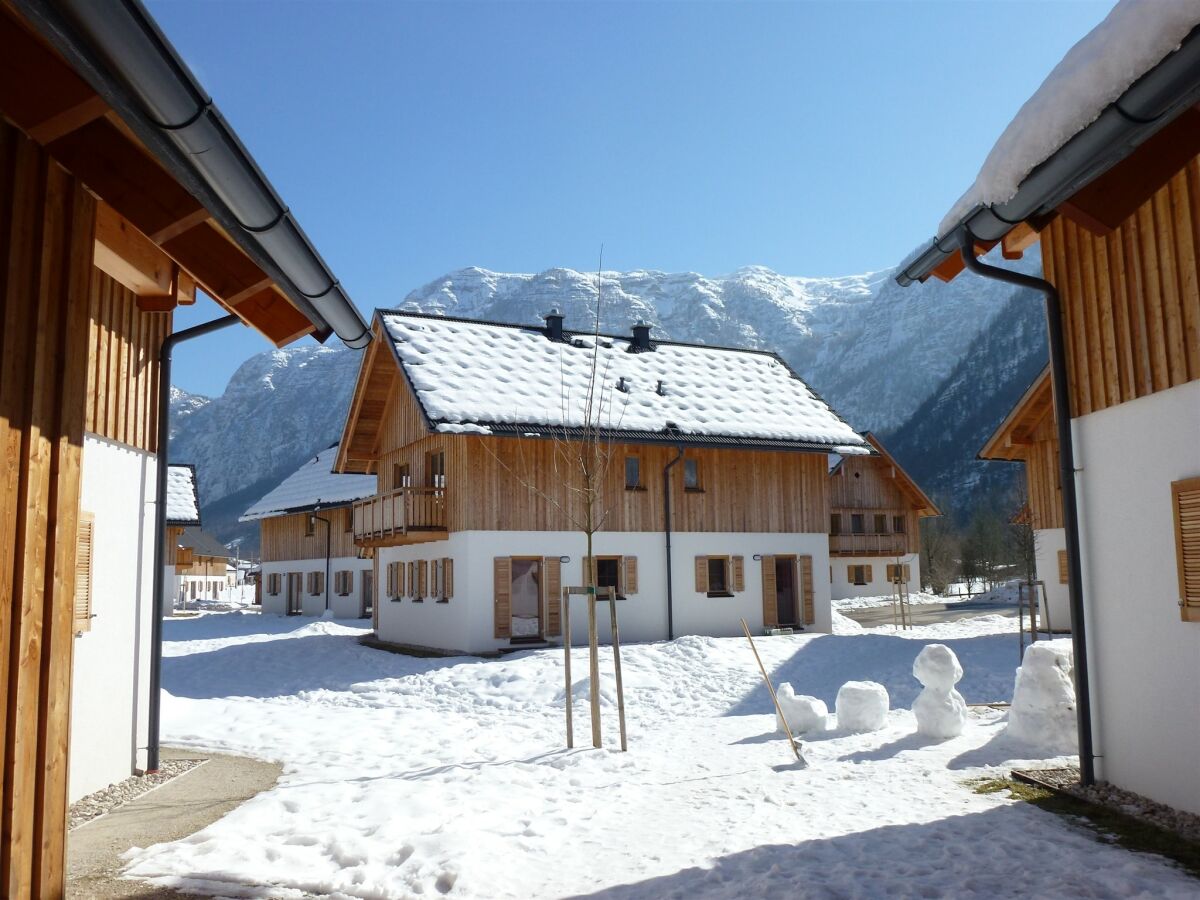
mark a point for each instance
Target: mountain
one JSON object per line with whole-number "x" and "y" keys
{"x": 877, "y": 352}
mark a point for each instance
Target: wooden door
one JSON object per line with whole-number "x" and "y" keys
{"x": 366, "y": 594}
{"x": 526, "y": 598}
{"x": 785, "y": 590}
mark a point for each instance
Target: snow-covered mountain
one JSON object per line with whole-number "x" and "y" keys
{"x": 875, "y": 351}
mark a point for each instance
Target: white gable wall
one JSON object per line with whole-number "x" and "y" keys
{"x": 348, "y": 607}
{"x": 1145, "y": 662}
{"x": 1047, "y": 543}
{"x": 110, "y": 675}
{"x": 841, "y": 587}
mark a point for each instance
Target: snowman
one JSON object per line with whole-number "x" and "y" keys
{"x": 940, "y": 710}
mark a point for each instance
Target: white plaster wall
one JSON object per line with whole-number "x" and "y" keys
{"x": 465, "y": 623}
{"x": 110, "y": 676}
{"x": 879, "y": 586}
{"x": 171, "y": 583}
{"x": 1047, "y": 542}
{"x": 1145, "y": 662}
{"x": 348, "y": 607}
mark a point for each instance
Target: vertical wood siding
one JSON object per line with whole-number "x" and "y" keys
{"x": 862, "y": 484}
{"x": 46, "y": 234}
{"x": 1131, "y": 303}
{"x": 123, "y": 351}
{"x": 283, "y": 537}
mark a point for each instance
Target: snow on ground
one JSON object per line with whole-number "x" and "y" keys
{"x": 1001, "y": 595}
{"x": 412, "y": 777}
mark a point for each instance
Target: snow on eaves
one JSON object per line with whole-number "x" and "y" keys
{"x": 313, "y": 484}
{"x": 470, "y": 375}
{"x": 183, "y": 499}
{"x": 1131, "y": 40}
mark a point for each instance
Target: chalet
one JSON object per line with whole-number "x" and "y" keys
{"x": 714, "y": 494}
{"x": 207, "y": 574}
{"x": 123, "y": 193}
{"x": 183, "y": 511}
{"x": 1028, "y": 435}
{"x": 875, "y": 512}
{"x": 310, "y": 561}
{"x": 1101, "y": 166}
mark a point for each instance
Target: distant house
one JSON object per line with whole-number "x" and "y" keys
{"x": 124, "y": 191}
{"x": 1102, "y": 166}
{"x": 204, "y": 569}
{"x": 310, "y": 561}
{"x": 1028, "y": 435}
{"x": 875, "y": 512}
{"x": 183, "y": 511}
{"x": 459, "y": 418}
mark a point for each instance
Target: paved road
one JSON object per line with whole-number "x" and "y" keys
{"x": 929, "y": 614}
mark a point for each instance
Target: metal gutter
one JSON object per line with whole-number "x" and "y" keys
{"x": 1066, "y": 461}
{"x": 1148, "y": 105}
{"x": 119, "y": 49}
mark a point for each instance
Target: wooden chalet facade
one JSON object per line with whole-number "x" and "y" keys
{"x": 183, "y": 512}
{"x": 104, "y": 230}
{"x": 311, "y": 561}
{"x": 1029, "y": 435}
{"x": 472, "y": 526}
{"x": 875, "y": 512}
{"x": 1117, "y": 212}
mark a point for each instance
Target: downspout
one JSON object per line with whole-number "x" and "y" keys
{"x": 667, "y": 528}
{"x": 1066, "y": 461}
{"x": 160, "y": 520}
{"x": 317, "y": 518}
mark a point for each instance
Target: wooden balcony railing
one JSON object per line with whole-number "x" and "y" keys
{"x": 894, "y": 544}
{"x": 399, "y": 512}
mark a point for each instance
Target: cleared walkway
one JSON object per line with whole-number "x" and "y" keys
{"x": 180, "y": 807}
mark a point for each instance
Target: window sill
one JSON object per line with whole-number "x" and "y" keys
{"x": 396, "y": 599}
{"x": 443, "y": 601}
{"x": 636, "y": 487}
{"x": 418, "y": 599}
{"x": 688, "y": 490}
{"x": 719, "y": 594}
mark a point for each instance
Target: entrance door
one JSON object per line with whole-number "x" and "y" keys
{"x": 295, "y": 593}
{"x": 785, "y": 589}
{"x": 367, "y": 594}
{"x": 526, "y": 598}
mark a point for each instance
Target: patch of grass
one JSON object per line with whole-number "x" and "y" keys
{"x": 1109, "y": 825}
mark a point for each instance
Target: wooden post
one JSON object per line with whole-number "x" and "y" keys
{"x": 593, "y": 667}
{"x": 616, "y": 643}
{"x": 771, "y": 690}
{"x": 566, "y": 627}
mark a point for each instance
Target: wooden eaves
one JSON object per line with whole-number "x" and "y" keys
{"x": 1013, "y": 434}
{"x": 923, "y": 504}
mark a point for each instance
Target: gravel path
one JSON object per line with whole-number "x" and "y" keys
{"x": 95, "y": 805}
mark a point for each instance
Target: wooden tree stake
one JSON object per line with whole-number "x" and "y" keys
{"x": 771, "y": 689}
{"x": 566, "y": 627}
{"x": 593, "y": 668}
{"x": 616, "y": 644}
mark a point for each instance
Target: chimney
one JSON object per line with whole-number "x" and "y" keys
{"x": 554, "y": 323}
{"x": 641, "y": 338}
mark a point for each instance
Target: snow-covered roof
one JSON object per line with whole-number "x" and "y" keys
{"x": 489, "y": 378}
{"x": 204, "y": 544}
{"x": 183, "y": 498}
{"x": 312, "y": 485}
{"x": 1134, "y": 37}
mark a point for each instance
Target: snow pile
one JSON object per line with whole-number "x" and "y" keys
{"x": 483, "y": 374}
{"x": 313, "y": 485}
{"x": 183, "y": 499}
{"x": 940, "y": 710}
{"x": 1043, "y": 704}
{"x": 804, "y": 714}
{"x": 1134, "y": 38}
{"x": 862, "y": 706}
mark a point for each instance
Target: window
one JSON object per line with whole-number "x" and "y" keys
{"x": 691, "y": 475}
{"x": 411, "y": 579}
{"x": 633, "y": 473}
{"x": 343, "y": 582}
{"x": 858, "y": 574}
{"x": 435, "y": 469}
{"x": 608, "y": 573}
{"x": 273, "y": 584}
{"x": 880, "y": 523}
{"x": 445, "y": 580}
{"x": 1185, "y": 501}
{"x": 420, "y": 589}
{"x": 899, "y": 526}
{"x": 316, "y": 583}
{"x": 395, "y": 580}
{"x": 310, "y": 525}
{"x": 835, "y": 523}
{"x": 720, "y": 576}
{"x": 401, "y": 476}
{"x": 897, "y": 573}
{"x": 856, "y": 523}
{"x": 349, "y": 520}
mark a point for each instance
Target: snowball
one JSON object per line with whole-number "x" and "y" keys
{"x": 937, "y": 667}
{"x": 1043, "y": 704}
{"x": 862, "y": 706}
{"x": 804, "y": 714}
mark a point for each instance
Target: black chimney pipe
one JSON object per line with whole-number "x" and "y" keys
{"x": 554, "y": 325}
{"x": 641, "y": 337}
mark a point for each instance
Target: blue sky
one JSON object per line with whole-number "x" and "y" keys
{"x": 412, "y": 139}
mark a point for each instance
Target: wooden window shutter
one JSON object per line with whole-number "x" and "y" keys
{"x": 1062, "y": 567}
{"x": 552, "y": 567}
{"x": 769, "y": 597}
{"x": 850, "y": 574}
{"x": 391, "y": 581}
{"x": 805, "y": 566}
{"x": 435, "y": 579}
{"x": 739, "y": 574}
{"x": 631, "y": 574}
{"x": 891, "y": 573}
{"x": 907, "y": 572}
{"x": 702, "y": 574}
{"x": 447, "y": 578}
{"x": 410, "y": 589}
{"x": 868, "y": 574}
{"x": 502, "y": 596}
{"x": 1185, "y": 497}
{"x": 85, "y": 536}
{"x": 422, "y": 579}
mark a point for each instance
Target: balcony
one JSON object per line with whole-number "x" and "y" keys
{"x": 407, "y": 515}
{"x": 893, "y": 544}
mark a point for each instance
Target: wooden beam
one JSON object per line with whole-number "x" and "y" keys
{"x": 62, "y": 123}
{"x": 130, "y": 258}
{"x": 949, "y": 267}
{"x": 178, "y": 227}
{"x": 251, "y": 290}
{"x": 1016, "y": 242}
